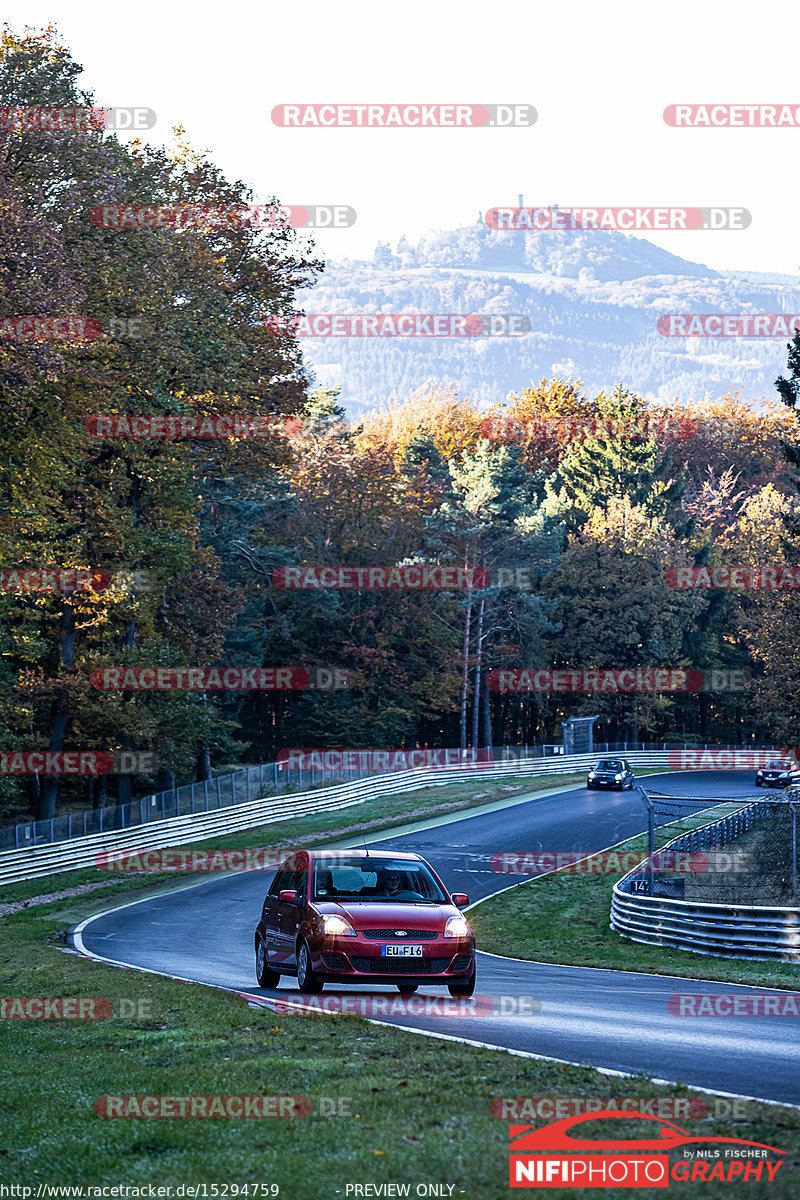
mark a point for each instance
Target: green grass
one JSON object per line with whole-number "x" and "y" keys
{"x": 413, "y": 1109}
{"x": 418, "y": 1108}
{"x": 564, "y": 918}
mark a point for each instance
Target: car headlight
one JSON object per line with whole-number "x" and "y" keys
{"x": 457, "y": 927}
{"x": 617, "y": 779}
{"x": 337, "y": 927}
{"x": 591, "y": 774}
{"x": 759, "y": 774}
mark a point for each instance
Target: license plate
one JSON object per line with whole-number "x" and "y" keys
{"x": 401, "y": 951}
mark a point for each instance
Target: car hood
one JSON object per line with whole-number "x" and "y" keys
{"x": 386, "y": 914}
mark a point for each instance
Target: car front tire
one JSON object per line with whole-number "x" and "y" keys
{"x": 465, "y": 988}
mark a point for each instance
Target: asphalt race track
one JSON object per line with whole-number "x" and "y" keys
{"x": 614, "y": 1020}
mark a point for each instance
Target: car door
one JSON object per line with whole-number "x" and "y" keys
{"x": 290, "y": 915}
{"x": 273, "y": 939}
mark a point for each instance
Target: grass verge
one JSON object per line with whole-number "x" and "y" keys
{"x": 412, "y": 1110}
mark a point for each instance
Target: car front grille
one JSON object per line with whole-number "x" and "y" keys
{"x": 414, "y": 935}
{"x": 400, "y": 966}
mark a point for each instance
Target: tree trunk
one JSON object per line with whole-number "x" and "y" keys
{"x": 465, "y": 678}
{"x": 487, "y": 714}
{"x": 478, "y": 664}
{"x": 203, "y": 769}
{"x": 59, "y": 715}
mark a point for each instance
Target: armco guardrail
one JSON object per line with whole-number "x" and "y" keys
{"x": 240, "y": 787}
{"x": 755, "y": 932}
{"x": 34, "y": 862}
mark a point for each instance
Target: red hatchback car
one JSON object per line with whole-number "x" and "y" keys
{"x": 357, "y": 916}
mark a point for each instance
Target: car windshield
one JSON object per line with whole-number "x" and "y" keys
{"x": 609, "y": 764}
{"x": 377, "y": 879}
{"x": 779, "y": 765}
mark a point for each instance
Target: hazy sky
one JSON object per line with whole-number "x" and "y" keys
{"x": 599, "y": 75}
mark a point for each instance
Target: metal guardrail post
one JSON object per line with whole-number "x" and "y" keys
{"x": 205, "y": 792}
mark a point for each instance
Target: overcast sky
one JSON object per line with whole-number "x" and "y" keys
{"x": 599, "y": 76}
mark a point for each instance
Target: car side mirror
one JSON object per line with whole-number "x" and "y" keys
{"x": 460, "y": 899}
{"x": 288, "y": 896}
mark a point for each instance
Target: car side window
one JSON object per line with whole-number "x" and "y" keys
{"x": 282, "y": 880}
{"x": 299, "y": 881}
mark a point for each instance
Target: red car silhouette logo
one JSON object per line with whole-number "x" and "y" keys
{"x": 555, "y": 1136}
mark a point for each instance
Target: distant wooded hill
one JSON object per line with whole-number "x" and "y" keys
{"x": 593, "y": 299}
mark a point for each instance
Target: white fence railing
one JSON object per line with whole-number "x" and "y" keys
{"x": 35, "y": 862}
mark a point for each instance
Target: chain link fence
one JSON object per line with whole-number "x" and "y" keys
{"x": 738, "y": 851}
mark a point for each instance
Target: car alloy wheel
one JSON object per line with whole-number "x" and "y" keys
{"x": 307, "y": 981}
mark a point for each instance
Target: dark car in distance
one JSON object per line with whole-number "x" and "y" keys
{"x": 610, "y": 773}
{"x": 780, "y": 772}
{"x": 357, "y": 916}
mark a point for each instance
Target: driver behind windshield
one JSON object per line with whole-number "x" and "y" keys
{"x": 392, "y": 883}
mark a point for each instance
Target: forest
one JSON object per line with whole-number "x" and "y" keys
{"x": 144, "y": 596}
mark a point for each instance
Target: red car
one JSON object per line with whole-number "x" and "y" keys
{"x": 358, "y": 916}
{"x": 556, "y": 1135}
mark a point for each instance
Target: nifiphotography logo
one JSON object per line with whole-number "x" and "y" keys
{"x": 552, "y": 1156}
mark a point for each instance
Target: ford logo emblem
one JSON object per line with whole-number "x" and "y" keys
{"x": 400, "y": 933}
